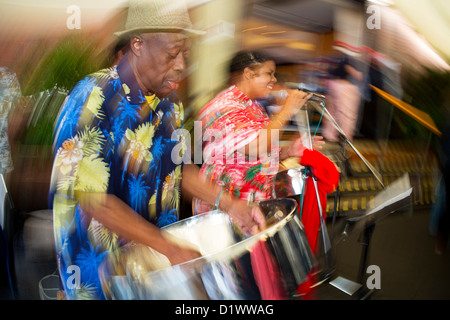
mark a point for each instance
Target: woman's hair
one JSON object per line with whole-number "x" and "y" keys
{"x": 244, "y": 59}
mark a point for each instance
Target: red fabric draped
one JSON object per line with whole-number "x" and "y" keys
{"x": 327, "y": 177}
{"x": 266, "y": 273}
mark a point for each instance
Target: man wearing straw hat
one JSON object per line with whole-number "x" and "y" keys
{"x": 114, "y": 181}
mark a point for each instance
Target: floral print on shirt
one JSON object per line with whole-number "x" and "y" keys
{"x": 229, "y": 122}
{"x": 110, "y": 138}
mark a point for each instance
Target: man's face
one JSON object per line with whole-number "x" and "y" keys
{"x": 162, "y": 61}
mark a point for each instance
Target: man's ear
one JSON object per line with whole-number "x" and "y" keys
{"x": 136, "y": 45}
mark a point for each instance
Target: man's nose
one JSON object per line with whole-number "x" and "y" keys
{"x": 180, "y": 63}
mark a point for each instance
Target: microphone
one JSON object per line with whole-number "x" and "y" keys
{"x": 303, "y": 87}
{"x": 283, "y": 94}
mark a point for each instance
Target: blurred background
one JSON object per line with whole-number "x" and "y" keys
{"x": 399, "y": 55}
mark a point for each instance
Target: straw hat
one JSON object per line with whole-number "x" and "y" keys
{"x": 157, "y": 16}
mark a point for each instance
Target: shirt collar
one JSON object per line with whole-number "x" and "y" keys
{"x": 240, "y": 95}
{"x": 127, "y": 77}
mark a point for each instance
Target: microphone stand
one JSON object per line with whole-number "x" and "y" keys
{"x": 368, "y": 231}
{"x": 307, "y": 142}
{"x": 338, "y": 128}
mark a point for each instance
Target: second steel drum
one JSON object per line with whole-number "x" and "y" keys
{"x": 289, "y": 183}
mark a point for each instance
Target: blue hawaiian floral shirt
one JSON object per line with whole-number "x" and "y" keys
{"x": 110, "y": 138}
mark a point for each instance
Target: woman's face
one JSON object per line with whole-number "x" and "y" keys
{"x": 263, "y": 80}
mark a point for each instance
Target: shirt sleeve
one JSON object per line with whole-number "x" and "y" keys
{"x": 79, "y": 163}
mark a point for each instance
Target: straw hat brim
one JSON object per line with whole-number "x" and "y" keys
{"x": 154, "y": 29}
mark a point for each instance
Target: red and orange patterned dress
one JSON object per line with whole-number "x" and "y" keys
{"x": 229, "y": 122}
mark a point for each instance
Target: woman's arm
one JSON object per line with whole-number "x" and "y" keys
{"x": 249, "y": 218}
{"x": 294, "y": 102}
{"x": 296, "y": 147}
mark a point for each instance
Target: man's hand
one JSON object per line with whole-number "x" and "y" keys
{"x": 177, "y": 254}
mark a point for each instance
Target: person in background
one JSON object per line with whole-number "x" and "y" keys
{"x": 9, "y": 95}
{"x": 121, "y": 47}
{"x": 344, "y": 99}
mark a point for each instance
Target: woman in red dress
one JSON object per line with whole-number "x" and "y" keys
{"x": 241, "y": 145}
{"x": 240, "y": 148}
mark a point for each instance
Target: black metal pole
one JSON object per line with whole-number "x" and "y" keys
{"x": 366, "y": 237}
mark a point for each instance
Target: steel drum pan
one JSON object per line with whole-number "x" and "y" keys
{"x": 224, "y": 271}
{"x": 289, "y": 183}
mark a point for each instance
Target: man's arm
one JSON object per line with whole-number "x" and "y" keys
{"x": 118, "y": 217}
